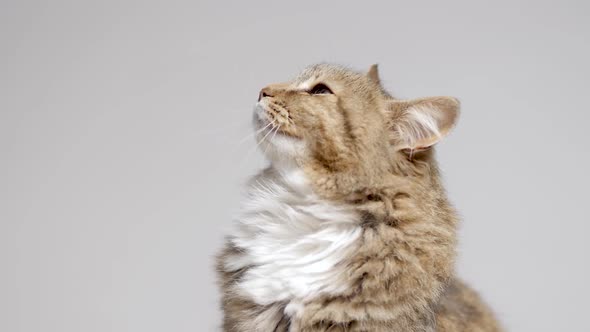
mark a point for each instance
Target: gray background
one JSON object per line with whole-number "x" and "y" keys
{"x": 121, "y": 162}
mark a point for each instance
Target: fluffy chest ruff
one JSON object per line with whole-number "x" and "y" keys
{"x": 292, "y": 245}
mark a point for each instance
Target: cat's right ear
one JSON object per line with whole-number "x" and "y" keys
{"x": 373, "y": 73}
{"x": 418, "y": 124}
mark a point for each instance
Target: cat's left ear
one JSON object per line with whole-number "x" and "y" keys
{"x": 418, "y": 124}
{"x": 373, "y": 73}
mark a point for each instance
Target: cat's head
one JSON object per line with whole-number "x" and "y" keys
{"x": 334, "y": 120}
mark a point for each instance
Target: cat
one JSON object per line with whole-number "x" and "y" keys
{"x": 349, "y": 228}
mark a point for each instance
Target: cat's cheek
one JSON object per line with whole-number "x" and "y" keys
{"x": 305, "y": 119}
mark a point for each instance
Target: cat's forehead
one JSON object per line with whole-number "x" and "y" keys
{"x": 324, "y": 71}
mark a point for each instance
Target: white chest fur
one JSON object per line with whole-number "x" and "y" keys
{"x": 291, "y": 241}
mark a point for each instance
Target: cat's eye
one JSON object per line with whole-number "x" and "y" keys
{"x": 320, "y": 89}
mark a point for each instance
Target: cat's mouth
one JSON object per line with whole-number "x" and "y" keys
{"x": 267, "y": 123}
{"x": 269, "y": 130}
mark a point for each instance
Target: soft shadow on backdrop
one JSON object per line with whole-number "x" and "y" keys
{"x": 121, "y": 161}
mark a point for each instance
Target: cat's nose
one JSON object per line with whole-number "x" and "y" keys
{"x": 264, "y": 93}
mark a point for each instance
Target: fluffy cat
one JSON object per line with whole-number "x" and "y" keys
{"x": 349, "y": 228}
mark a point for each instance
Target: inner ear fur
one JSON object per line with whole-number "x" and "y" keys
{"x": 418, "y": 124}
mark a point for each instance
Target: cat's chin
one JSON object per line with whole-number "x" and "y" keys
{"x": 283, "y": 149}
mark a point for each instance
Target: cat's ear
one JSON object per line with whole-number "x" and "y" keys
{"x": 373, "y": 73}
{"x": 418, "y": 124}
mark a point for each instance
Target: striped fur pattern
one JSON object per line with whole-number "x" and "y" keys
{"x": 349, "y": 228}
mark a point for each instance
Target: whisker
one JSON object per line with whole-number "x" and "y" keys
{"x": 265, "y": 136}
{"x": 254, "y": 133}
{"x": 276, "y": 130}
{"x": 249, "y": 152}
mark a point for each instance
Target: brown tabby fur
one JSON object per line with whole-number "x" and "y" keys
{"x": 362, "y": 152}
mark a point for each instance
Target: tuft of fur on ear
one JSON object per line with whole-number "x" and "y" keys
{"x": 418, "y": 124}
{"x": 373, "y": 73}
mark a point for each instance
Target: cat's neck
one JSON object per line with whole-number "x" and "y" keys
{"x": 291, "y": 241}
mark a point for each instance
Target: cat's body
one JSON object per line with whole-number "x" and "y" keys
{"x": 346, "y": 231}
